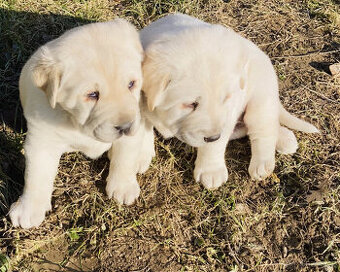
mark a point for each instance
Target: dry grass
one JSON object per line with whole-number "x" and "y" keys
{"x": 289, "y": 222}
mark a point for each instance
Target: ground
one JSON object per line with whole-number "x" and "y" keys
{"x": 289, "y": 222}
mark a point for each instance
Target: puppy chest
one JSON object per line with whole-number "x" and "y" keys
{"x": 90, "y": 147}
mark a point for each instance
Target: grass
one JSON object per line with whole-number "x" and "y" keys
{"x": 289, "y": 222}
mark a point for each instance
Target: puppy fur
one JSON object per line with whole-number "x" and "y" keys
{"x": 200, "y": 80}
{"x": 58, "y": 88}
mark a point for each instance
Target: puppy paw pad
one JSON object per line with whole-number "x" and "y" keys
{"x": 211, "y": 178}
{"x": 27, "y": 213}
{"x": 259, "y": 170}
{"x": 124, "y": 192}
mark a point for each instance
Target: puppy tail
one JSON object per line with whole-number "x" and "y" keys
{"x": 293, "y": 122}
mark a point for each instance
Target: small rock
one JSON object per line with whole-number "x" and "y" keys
{"x": 335, "y": 69}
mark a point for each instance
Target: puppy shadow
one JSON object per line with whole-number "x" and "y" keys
{"x": 321, "y": 66}
{"x": 237, "y": 159}
{"x": 11, "y": 169}
{"x": 184, "y": 155}
{"x": 237, "y": 156}
{"x": 101, "y": 165}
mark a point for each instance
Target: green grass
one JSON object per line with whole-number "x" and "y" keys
{"x": 289, "y": 222}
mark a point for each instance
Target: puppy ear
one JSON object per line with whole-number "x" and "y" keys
{"x": 155, "y": 76}
{"x": 47, "y": 74}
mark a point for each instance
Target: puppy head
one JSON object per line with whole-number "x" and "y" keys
{"x": 192, "y": 81}
{"x": 93, "y": 72}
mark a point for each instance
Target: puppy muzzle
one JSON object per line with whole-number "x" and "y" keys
{"x": 108, "y": 132}
{"x": 197, "y": 139}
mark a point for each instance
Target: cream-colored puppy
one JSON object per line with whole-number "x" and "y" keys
{"x": 200, "y": 80}
{"x": 80, "y": 92}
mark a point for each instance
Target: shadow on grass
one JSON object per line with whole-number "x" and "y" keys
{"x": 21, "y": 33}
{"x": 11, "y": 169}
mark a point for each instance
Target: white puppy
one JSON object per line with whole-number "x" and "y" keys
{"x": 200, "y": 80}
{"x": 79, "y": 92}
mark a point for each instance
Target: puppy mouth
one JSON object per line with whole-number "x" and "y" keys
{"x": 133, "y": 129}
{"x": 108, "y": 133}
{"x": 107, "y": 139}
{"x": 190, "y": 140}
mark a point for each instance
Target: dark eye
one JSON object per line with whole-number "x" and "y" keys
{"x": 131, "y": 84}
{"x": 93, "y": 95}
{"x": 194, "y": 105}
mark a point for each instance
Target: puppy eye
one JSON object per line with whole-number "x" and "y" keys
{"x": 131, "y": 84}
{"x": 93, "y": 95}
{"x": 193, "y": 106}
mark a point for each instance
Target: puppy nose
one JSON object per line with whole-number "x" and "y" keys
{"x": 124, "y": 128}
{"x": 212, "y": 138}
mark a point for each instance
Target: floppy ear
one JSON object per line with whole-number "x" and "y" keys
{"x": 47, "y": 74}
{"x": 155, "y": 76}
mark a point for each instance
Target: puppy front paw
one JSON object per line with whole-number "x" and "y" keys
{"x": 124, "y": 190}
{"x": 28, "y": 212}
{"x": 211, "y": 177}
{"x": 260, "y": 169}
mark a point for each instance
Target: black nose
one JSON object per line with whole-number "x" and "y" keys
{"x": 212, "y": 138}
{"x": 124, "y": 128}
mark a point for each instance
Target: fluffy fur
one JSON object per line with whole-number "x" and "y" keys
{"x": 200, "y": 80}
{"x": 55, "y": 87}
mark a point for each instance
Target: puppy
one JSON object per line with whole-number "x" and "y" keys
{"x": 200, "y": 80}
{"x": 79, "y": 92}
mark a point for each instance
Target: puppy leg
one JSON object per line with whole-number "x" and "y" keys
{"x": 42, "y": 159}
{"x": 261, "y": 119}
{"x": 286, "y": 142}
{"x": 125, "y": 162}
{"x": 210, "y": 168}
{"x": 148, "y": 148}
